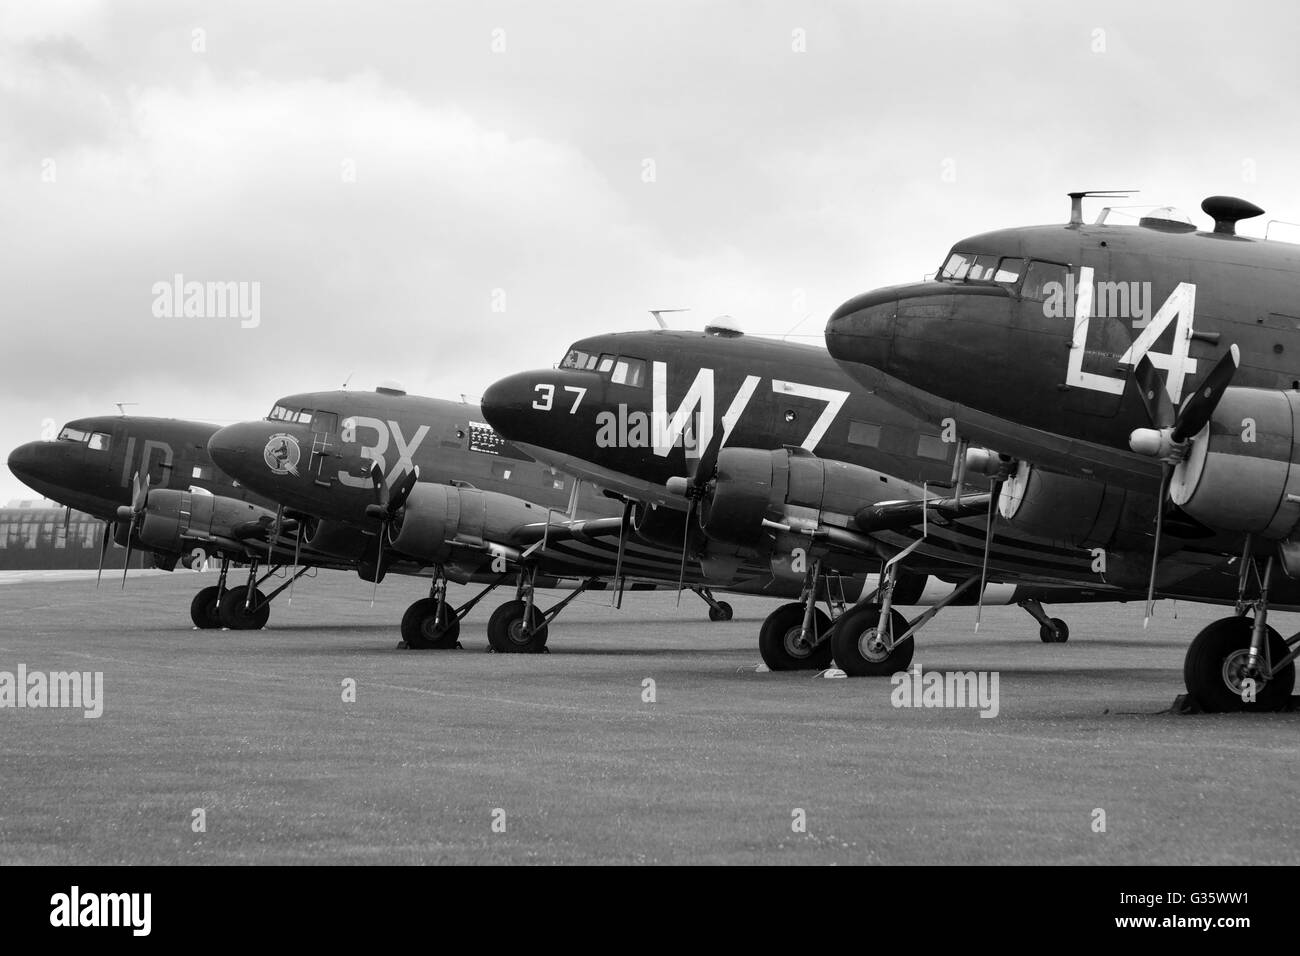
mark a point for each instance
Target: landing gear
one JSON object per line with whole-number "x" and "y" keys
{"x": 205, "y": 609}
{"x": 1051, "y": 630}
{"x": 786, "y": 645}
{"x": 862, "y": 649}
{"x": 433, "y": 624}
{"x": 1241, "y": 663}
{"x": 519, "y": 626}
{"x": 1218, "y": 672}
{"x": 240, "y": 614}
{"x": 718, "y": 610}
{"x": 509, "y": 634}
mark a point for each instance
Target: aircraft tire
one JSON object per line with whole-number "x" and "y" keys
{"x": 205, "y": 610}
{"x": 505, "y": 630}
{"x": 421, "y": 630}
{"x": 1058, "y": 632}
{"x": 236, "y": 618}
{"x": 852, "y": 640}
{"x": 723, "y": 612}
{"x": 1211, "y": 669}
{"x": 778, "y": 640}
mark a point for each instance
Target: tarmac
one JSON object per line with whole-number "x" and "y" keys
{"x": 647, "y": 735}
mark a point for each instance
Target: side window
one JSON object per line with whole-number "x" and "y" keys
{"x": 628, "y": 371}
{"x": 932, "y": 446}
{"x": 1042, "y": 279}
{"x": 1008, "y": 271}
{"x": 327, "y": 422}
{"x": 606, "y": 363}
{"x": 304, "y": 417}
{"x": 983, "y": 269}
{"x": 864, "y": 433}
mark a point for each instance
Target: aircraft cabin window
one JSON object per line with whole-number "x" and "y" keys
{"x": 72, "y": 434}
{"x": 864, "y": 433}
{"x": 932, "y": 446}
{"x": 303, "y": 417}
{"x": 1039, "y": 278}
{"x": 606, "y": 363}
{"x": 628, "y": 371}
{"x": 99, "y": 441}
{"x": 327, "y": 422}
{"x": 982, "y": 269}
{"x": 280, "y": 414}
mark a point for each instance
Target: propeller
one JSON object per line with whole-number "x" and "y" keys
{"x": 139, "y": 501}
{"x": 109, "y": 528}
{"x": 988, "y": 540}
{"x": 622, "y": 546}
{"x": 385, "y": 511}
{"x": 1171, "y": 437}
{"x": 694, "y": 488}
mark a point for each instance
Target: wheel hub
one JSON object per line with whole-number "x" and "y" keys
{"x": 871, "y": 645}
{"x": 795, "y": 645}
{"x": 1236, "y": 669}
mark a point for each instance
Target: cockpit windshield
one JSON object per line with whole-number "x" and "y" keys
{"x": 98, "y": 441}
{"x": 971, "y": 267}
{"x": 619, "y": 369}
{"x": 68, "y": 433}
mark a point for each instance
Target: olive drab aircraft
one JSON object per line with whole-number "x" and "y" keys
{"x": 737, "y": 448}
{"x": 421, "y": 482}
{"x": 151, "y": 482}
{"x": 1154, "y": 357}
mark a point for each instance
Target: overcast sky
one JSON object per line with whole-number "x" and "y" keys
{"x": 444, "y": 193}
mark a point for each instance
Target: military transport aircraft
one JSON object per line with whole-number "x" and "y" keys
{"x": 151, "y": 482}
{"x": 428, "y": 483}
{"x": 822, "y": 481}
{"x": 1047, "y": 343}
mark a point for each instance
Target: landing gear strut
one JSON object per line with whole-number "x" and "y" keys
{"x": 718, "y": 610}
{"x": 246, "y": 608}
{"x": 796, "y": 636}
{"x": 519, "y": 626}
{"x": 1051, "y": 630}
{"x": 1240, "y": 663}
{"x": 431, "y": 623}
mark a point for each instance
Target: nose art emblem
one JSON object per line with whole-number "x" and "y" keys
{"x": 282, "y": 454}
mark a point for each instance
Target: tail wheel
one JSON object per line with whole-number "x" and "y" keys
{"x": 722, "y": 612}
{"x": 423, "y": 630}
{"x": 205, "y": 609}
{"x": 1058, "y": 632}
{"x": 783, "y": 645}
{"x": 1215, "y": 668}
{"x": 507, "y": 633}
{"x": 236, "y": 617}
{"x": 860, "y": 649}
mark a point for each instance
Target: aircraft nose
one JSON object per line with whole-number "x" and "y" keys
{"x": 237, "y": 449}
{"x": 862, "y": 329}
{"x": 24, "y": 462}
{"x": 508, "y": 405}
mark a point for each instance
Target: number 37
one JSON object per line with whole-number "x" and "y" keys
{"x": 546, "y": 397}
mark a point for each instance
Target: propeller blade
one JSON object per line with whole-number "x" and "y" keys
{"x": 988, "y": 539}
{"x": 297, "y": 552}
{"x": 103, "y": 550}
{"x": 273, "y": 532}
{"x": 618, "y": 561}
{"x": 1146, "y": 381}
{"x": 403, "y": 490}
{"x": 686, "y": 541}
{"x": 708, "y": 463}
{"x": 1155, "y": 551}
{"x": 130, "y": 538}
{"x": 67, "y": 520}
{"x": 1196, "y": 411}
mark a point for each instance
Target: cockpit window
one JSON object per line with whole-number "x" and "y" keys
{"x": 327, "y": 422}
{"x": 578, "y": 359}
{"x": 99, "y": 441}
{"x": 956, "y": 267}
{"x": 606, "y": 363}
{"x": 303, "y": 417}
{"x": 1008, "y": 271}
{"x": 280, "y": 414}
{"x": 628, "y": 371}
{"x": 1043, "y": 279}
{"x": 72, "y": 434}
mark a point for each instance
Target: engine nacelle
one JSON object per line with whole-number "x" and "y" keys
{"x": 171, "y": 516}
{"x": 1242, "y": 472}
{"x": 792, "y": 489}
{"x": 1065, "y": 510}
{"x": 338, "y": 539}
{"x": 437, "y": 516}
